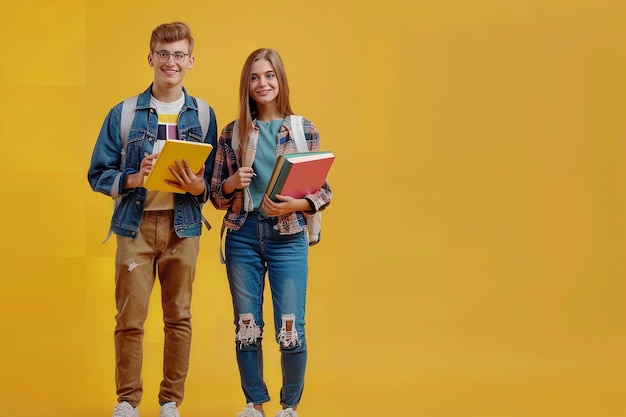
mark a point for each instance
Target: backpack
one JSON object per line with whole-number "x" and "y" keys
{"x": 129, "y": 106}
{"x": 314, "y": 222}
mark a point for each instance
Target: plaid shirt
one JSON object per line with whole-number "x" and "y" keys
{"x": 226, "y": 164}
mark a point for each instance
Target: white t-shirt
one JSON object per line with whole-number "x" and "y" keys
{"x": 168, "y": 129}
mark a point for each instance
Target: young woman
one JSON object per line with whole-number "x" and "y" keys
{"x": 263, "y": 235}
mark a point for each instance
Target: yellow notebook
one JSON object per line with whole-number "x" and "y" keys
{"x": 195, "y": 153}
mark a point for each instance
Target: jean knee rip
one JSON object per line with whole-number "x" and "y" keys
{"x": 249, "y": 331}
{"x": 288, "y": 336}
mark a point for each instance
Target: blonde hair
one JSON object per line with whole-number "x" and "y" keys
{"x": 247, "y": 105}
{"x": 171, "y": 32}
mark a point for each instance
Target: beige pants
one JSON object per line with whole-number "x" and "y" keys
{"x": 157, "y": 250}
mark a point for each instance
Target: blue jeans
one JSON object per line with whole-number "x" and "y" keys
{"x": 252, "y": 251}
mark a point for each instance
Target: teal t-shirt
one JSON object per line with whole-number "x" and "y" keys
{"x": 264, "y": 160}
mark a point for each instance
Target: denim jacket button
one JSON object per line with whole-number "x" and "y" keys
{"x": 137, "y": 203}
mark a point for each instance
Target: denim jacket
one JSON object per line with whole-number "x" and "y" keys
{"x": 105, "y": 176}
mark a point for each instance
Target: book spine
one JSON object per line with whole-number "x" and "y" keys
{"x": 280, "y": 181}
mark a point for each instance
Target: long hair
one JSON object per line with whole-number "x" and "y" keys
{"x": 247, "y": 105}
{"x": 171, "y": 32}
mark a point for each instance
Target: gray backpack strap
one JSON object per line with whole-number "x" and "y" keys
{"x": 126, "y": 120}
{"x": 297, "y": 129}
{"x": 234, "y": 143}
{"x": 128, "y": 114}
{"x": 204, "y": 115}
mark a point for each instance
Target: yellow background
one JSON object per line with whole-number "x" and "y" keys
{"x": 472, "y": 261}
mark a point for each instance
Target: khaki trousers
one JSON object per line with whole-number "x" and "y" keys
{"x": 156, "y": 251}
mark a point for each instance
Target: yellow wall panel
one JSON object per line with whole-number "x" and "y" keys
{"x": 45, "y": 41}
{"x": 472, "y": 260}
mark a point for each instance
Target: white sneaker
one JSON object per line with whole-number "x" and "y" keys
{"x": 287, "y": 412}
{"x": 169, "y": 410}
{"x": 250, "y": 411}
{"x": 124, "y": 409}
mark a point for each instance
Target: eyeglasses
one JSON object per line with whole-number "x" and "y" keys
{"x": 164, "y": 56}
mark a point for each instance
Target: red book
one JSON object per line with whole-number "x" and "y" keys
{"x": 299, "y": 174}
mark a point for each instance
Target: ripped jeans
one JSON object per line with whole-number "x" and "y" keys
{"x": 252, "y": 251}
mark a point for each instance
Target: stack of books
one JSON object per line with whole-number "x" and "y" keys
{"x": 299, "y": 174}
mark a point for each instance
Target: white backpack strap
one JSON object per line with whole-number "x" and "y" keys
{"x": 204, "y": 115}
{"x": 234, "y": 144}
{"x": 128, "y": 114}
{"x": 126, "y": 120}
{"x": 297, "y": 130}
{"x": 234, "y": 141}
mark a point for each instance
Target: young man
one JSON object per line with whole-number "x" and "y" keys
{"x": 157, "y": 232}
